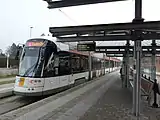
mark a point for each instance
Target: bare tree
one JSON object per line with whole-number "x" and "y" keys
{"x": 11, "y": 50}
{"x": 1, "y": 52}
{"x": 8, "y": 50}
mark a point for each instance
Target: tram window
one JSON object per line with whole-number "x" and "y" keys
{"x": 75, "y": 63}
{"x": 82, "y": 59}
{"x": 78, "y": 64}
{"x": 64, "y": 66}
{"x": 86, "y": 63}
{"x": 51, "y": 63}
{"x": 49, "y": 69}
{"x": 56, "y": 61}
{"x": 48, "y": 52}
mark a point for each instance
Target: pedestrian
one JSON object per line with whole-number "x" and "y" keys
{"x": 121, "y": 71}
{"x": 122, "y": 75}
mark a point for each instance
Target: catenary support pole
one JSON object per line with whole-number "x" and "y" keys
{"x": 104, "y": 63}
{"x": 153, "y": 69}
{"x": 125, "y": 71}
{"x": 134, "y": 80}
{"x": 153, "y": 60}
{"x": 90, "y": 65}
{"x": 138, "y": 77}
{"x": 109, "y": 64}
{"x": 127, "y": 65}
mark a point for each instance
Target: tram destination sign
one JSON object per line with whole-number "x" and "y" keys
{"x": 89, "y": 46}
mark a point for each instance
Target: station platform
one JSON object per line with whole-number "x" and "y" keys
{"x": 99, "y": 99}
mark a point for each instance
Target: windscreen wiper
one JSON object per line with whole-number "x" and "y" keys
{"x": 29, "y": 69}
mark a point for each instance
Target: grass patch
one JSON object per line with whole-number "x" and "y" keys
{"x": 7, "y": 82}
{"x": 8, "y": 76}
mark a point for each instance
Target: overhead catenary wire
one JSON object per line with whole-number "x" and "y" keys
{"x": 71, "y": 19}
{"x": 68, "y": 16}
{"x": 74, "y": 21}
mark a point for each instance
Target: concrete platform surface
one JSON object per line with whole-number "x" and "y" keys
{"x": 116, "y": 104}
{"x": 81, "y": 97}
{"x": 100, "y": 99}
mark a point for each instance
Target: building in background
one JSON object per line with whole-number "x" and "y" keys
{"x": 146, "y": 63}
{"x": 158, "y": 64}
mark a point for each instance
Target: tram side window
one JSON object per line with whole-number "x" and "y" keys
{"x": 64, "y": 66}
{"x": 75, "y": 61}
{"x": 96, "y": 63}
{"x": 49, "y": 50}
{"x": 86, "y": 63}
{"x": 49, "y": 68}
{"x": 82, "y": 63}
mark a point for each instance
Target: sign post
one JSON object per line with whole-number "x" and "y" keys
{"x": 89, "y": 46}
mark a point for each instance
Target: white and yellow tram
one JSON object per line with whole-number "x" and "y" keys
{"x": 45, "y": 69}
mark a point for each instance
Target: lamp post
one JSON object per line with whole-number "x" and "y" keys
{"x": 31, "y": 32}
{"x": 7, "y": 60}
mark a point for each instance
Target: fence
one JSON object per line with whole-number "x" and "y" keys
{"x": 12, "y": 62}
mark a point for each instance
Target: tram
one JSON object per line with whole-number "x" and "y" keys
{"x": 46, "y": 67}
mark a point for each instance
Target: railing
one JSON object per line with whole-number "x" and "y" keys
{"x": 147, "y": 86}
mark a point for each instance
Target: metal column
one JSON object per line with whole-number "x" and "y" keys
{"x": 138, "y": 77}
{"x": 134, "y": 79}
{"x": 112, "y": 64}
{"x": 90, "y": 65}
{"x": 109, "y": 65}
{"x": 153, "y": 60}
{"x": 104, "y": 63}
{"x": 125, "y": 70}
{"x": 138, "y": 47}
{"x": 127, "y": 65}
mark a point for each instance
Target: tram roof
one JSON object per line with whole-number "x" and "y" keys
{"x": 86, "y": 54}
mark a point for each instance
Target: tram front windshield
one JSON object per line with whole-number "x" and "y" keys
{"x": 28, "y": 61}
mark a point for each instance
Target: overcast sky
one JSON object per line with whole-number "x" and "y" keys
{"x": 18, "y": 15}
